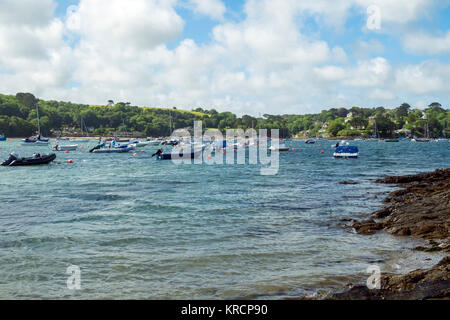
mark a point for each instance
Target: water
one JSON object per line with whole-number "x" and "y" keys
{"x": 145, "y": 229}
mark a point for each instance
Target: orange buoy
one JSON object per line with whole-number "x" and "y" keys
{"x": 81, "y": 147}
{"x": 70, "y": 161}
{"x": 67, "y": 151}
{"x": 314, "y": 146}
{"x": 293, "y": 149}
{"x": 209, "y": 157}
{"x": 135, "y": 154}
{"x": 18, "y": 146}
{"x": 223, "y": 152}
{"x": 142, "y": 150}
{"x": 322, "y": 152}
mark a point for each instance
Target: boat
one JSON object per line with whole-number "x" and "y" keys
{"x": 160, "y": 155}
{"x": 36, "y": 159}
{"x": 346, "y": 152}
{"x": 2, "y": 137}
{"x": 310, "y": 141}
{"x": 31, "y": 143}
{"x": 101, "y": 148}
{"x": 138, "y": 143}
{"x": 281, "y": 147}
{"x": 71, "y": 147}
{"x": 391, "y": 140}
{"x": 83, "y": 133}
{"x": 113, "y": 150}
{"x": 37, "y": 140}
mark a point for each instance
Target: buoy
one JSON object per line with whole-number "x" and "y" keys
{"x": 135, "y": 154}
{"x": 67, "y": 151}
{"x": 70, "y": 161}
{"x": 0, "y": 148}
{"x": 293, "y": 149}
{"x": 209, "y": 157}
{"x": 320, "y": 145}
{"x": 321, "y": 151}
{"x": 18, "y": 146}
{"x": 314, "y": 146}
{"x": 81, "y": 147}
{"x": 142, "y": 150}
{"x": 223, "y": 152}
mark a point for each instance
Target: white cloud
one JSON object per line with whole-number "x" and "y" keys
{"x": 380, "y": 94}
{"x": 428, "y": 77}
{"x": 212, "y": 8}
{"x": 428, "y": 44}
{"x": 264, "y": 63}
{"x": 136, "y": 24}
{"x": 26, "y": 12}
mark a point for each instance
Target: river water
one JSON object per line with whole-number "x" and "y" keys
{"x": 139, "y": 228}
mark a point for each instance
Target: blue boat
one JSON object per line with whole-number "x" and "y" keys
{"x": 346, "y": 152}
{"x": 2, "y": 137}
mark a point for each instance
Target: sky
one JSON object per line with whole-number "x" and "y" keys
{"x": 244, "y": 56}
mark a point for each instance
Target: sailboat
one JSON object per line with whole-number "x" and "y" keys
{"x": 427, "y": 132}
{"x": 37, "y": 140}
{"x": 82, "y": 132}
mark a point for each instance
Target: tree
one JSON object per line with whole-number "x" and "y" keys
{"x": 402, "y": 110}
{"x": 335, "y": 127}
{"x": 110, "y": 103}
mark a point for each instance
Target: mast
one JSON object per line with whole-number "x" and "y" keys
{"x": 39, "y": 125}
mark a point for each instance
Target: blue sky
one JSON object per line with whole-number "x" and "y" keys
{"x": 251, "y": 56}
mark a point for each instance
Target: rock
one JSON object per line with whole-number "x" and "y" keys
{"x": 420, "y": 209}
{"x": 348, "y": 182}
{"x": 433, "y": 283}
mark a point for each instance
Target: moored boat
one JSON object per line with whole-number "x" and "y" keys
{"x": 72, "y": 147}
{"x": 160, "y": 155}
{"x": 2, "y": 137}
{"x": 36, "y": 159}
{"x": 346, "y": 152}
{"x": 281, "y": 147}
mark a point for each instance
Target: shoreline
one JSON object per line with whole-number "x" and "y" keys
{"x": 419, "y": 209}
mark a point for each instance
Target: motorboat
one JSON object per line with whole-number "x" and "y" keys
{"x": 36, "y": 159}
{"x": 2, "y": 137}
{"x": 113, "y": 150}
{"x": 310, "y": 141}
{"x": 34, "y": 143}
{"x": 102, "y": 148}
{"x": 160, "y": 155}
{"x": 281, "y": 147}
{"x": 346, "y": 152}
{"x": 71, "y": 147}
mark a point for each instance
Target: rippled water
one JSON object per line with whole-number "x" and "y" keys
{"x": 145, "y": 229}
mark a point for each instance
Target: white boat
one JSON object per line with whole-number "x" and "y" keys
{"x": 281, "y": 147}
{"x": 138, "y": 143}
{"x": 72, "y": 147}
{"x": 35, "y": 143}
{"x": 114, "y": 150}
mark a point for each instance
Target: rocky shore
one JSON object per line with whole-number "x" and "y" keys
{"x": 421, "y": 208}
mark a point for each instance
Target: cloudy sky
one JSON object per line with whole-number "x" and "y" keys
{"x": 245, "y": 56}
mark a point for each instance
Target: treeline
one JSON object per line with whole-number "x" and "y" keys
{"x": 18, "y": 118}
